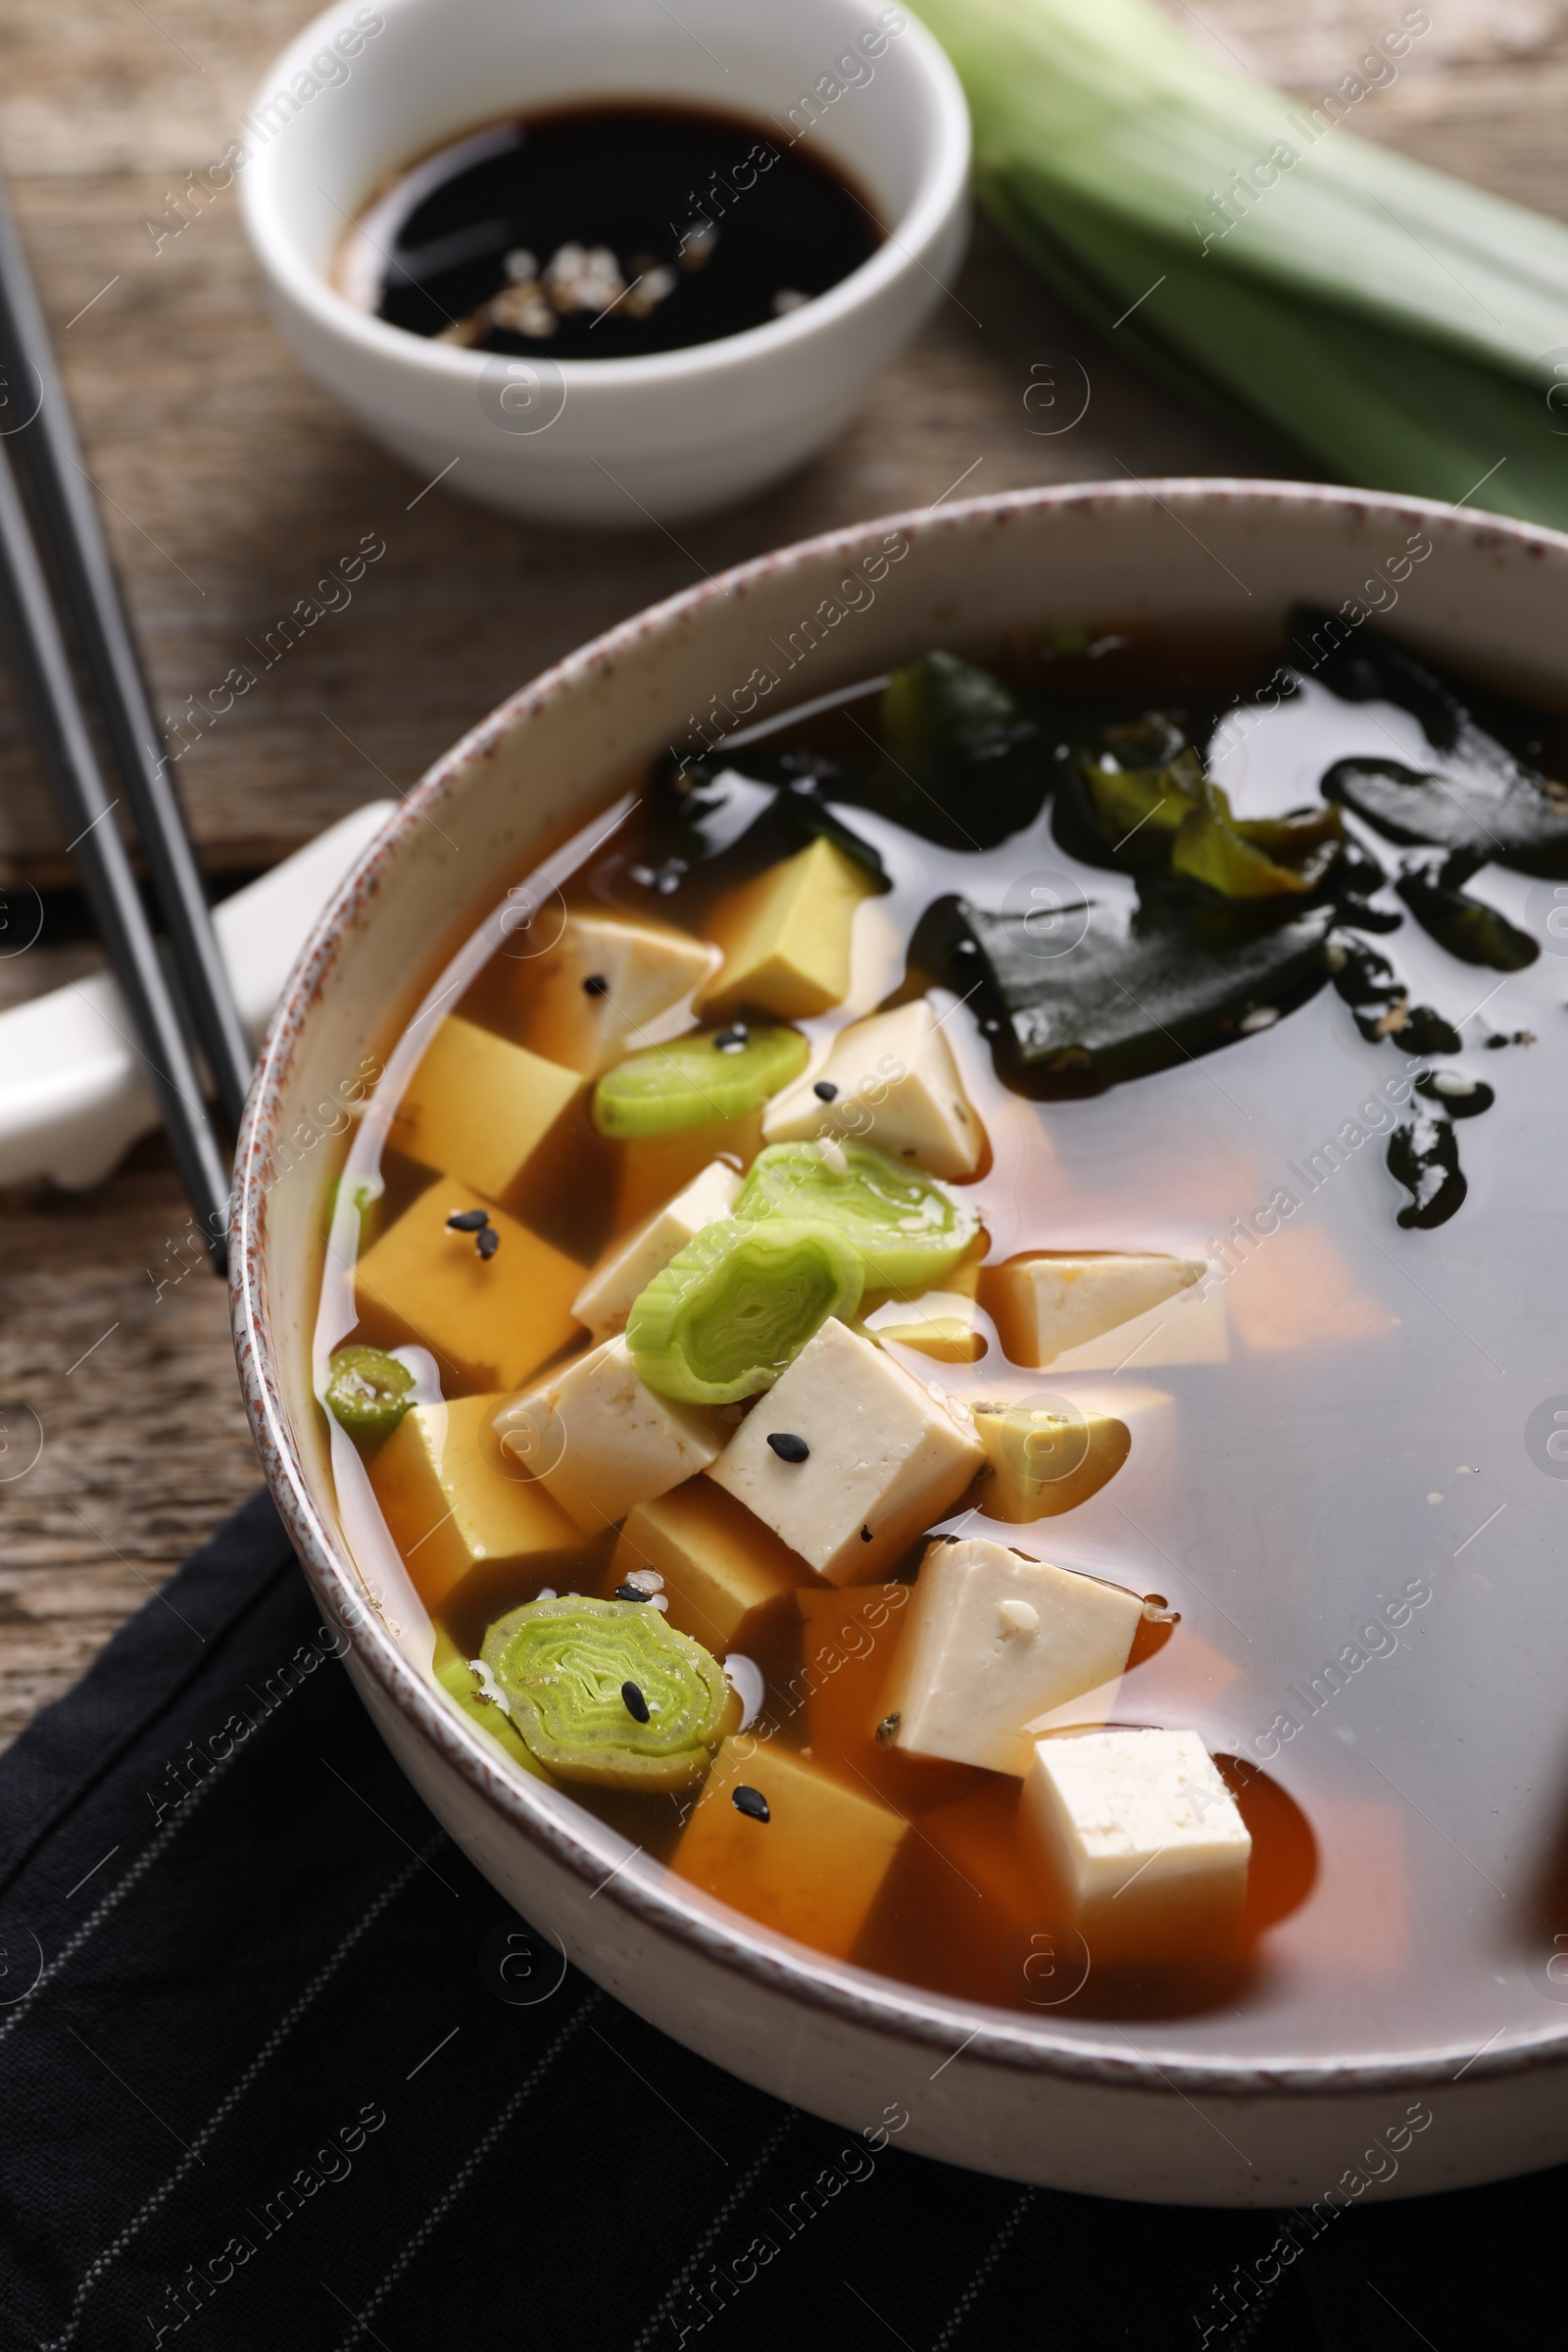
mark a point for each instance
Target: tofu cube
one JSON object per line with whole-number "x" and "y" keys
{"x": 488, "y": 1321}
{"x": 885, "y": 1457}
{"x": 1143, "y": 1839}
{"x": 653, "y": 1168}
{"x": 812, "y": 1869}
{"x": 849, "y": 1642}
{"x": 1048, "y": 1303}
{"x": 1045, "y": 1458}
{"x": 940, "y": 1324}
{"x": 611, "y": 985}
{"x": 992, "y": 1640}
{"x": 454, "y": 1512}
{"x": 785, "y": 936}
{"x": 479, "y": 1108}
{"x": 605, "y": 1299}
{"x": 722, "y": 1570}
{"x": 599, "y": 1440}
{"x": 895, "y": 1085}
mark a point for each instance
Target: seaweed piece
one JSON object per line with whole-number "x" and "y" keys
{"x": 1467, "y": 927}
{"x": 1122, "y": 793}
{"x": 1379, "y": 1003}
{"x": 1141, "y": 988}
{"x": 1424, "y": 1156}
{"x": 1254, "y": 858}
{"x": 776, "y": 801}
{"x": 964, "y": 764}
{"x": 1462, "y": 1097}
{"x": 1478, "y": 797}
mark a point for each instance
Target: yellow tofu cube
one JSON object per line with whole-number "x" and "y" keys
{"x": 655, "y": 1167}
{"x": 488, "y": 1321}
{"x": 610, "y": 986}
{"x": 721, "y": 1567}
{"x": 812, "y": 1869}
{"x": 453, "y": 1510}
{"x": 1045, "y": 1456}
{"x": 786, "y": 936}
{"x": 479, "y": 1108}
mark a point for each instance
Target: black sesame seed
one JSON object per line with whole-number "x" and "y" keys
{"x": 732, "y": 1041}
{"x": 469, "y": 1220}
{"x": 886, "y": 1728}
{"x": 825, "y": 1091}
{"x": 787, "y": 1447}
{"x": 487, "y": 1242}
{"x": 865, "y": 1535}
{"x": 750, "y": 1801}
{"x": 631, "y": 1592}
{"x": 635, "y": 1704}
{"x": 596, "y": 985}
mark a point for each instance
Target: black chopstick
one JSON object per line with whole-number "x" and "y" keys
{"x": 48, "y": 448}
{"x": 105, "y": 866}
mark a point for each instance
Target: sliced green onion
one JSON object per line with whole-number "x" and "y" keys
{"x": 735, "y": 1308}
{"x": 908, "y": 1229}
{"x": 367, "y": 1390}
{"x": 698, "y": 1081}
{"x": 606, "y": 1691}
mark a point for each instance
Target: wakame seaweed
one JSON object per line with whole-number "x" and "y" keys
{"x": 1139, "y": 987}
{"x": 1478, "y": 798}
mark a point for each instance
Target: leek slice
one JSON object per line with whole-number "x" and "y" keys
{"x": 367, "y": 1392}
{"x": 567, "y": 1669}
{"x": 908, "y": 1229}
{"x": 735, "y": 1308}
{"x": 698, "y": 1081}
{"x": 1399, "y": 326}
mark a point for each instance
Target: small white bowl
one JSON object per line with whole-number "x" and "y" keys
{"x": 606, "y": 442}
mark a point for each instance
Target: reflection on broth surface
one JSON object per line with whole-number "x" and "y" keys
{"x": 901, "y": 1315}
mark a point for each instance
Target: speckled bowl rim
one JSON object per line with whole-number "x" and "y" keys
{"x": 852, "y": 1995}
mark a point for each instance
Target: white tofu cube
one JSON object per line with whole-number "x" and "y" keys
{"x": 992, "y": 1640}
{"x": 1142, "y": 1836}
{"x": 883, "y": 1456}
{"x": 611, "y": 985}
{"x": 895, "y": 1085}
{"x": 605, "y": 1299}
{"x": 600, "y": 1441}
{"x": 1042, "y": 1305}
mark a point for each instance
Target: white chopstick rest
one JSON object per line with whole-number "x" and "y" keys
{"x": 73, "y": 1097}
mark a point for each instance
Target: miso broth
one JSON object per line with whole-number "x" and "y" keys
{"x": 1067, "y": 976}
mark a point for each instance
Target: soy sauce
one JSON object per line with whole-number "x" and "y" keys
{"x": 606, "y": 233}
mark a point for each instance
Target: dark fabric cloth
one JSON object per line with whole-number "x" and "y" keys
{"x": 272, "y": 2076}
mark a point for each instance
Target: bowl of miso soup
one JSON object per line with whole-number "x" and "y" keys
{"x": 930, "y": 1384}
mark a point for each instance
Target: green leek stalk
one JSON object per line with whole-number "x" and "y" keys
{"x": 1399, "y": 326}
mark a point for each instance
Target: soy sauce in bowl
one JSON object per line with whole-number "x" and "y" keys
{"x": 606, "y": 232}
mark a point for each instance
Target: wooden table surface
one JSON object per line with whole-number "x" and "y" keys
{"x": 230, "y": 482}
